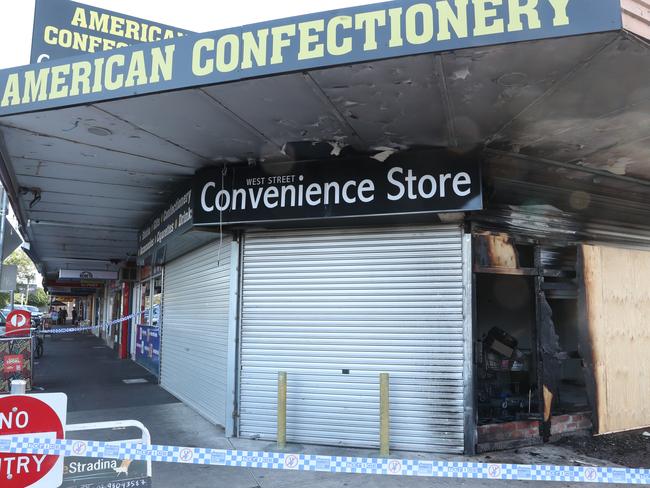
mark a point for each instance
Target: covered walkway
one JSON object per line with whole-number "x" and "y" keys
{"x": 89, "y": 372}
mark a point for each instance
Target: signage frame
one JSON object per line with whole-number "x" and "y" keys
{"x": 374, "y": 194}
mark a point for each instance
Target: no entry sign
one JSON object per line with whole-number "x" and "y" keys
{"x": 41, "y": 416}
{"x": 18, "y": 323}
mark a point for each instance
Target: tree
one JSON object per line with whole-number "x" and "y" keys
{"x": 39, "y": 298}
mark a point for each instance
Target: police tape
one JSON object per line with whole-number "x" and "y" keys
{"x": 105, "y": 325}
{"x": 327, "y": 464}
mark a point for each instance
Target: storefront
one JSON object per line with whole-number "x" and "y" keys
{"x": 334, "y": 297}
{"x": 320, "y": 233}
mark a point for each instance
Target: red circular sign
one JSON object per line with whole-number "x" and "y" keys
{"x": 18, "y": 322}
{"x": 23, "y": 415}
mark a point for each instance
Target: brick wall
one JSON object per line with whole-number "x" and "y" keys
{"x": 508, "y": 431}
{"x": 495, "y": 437}
{"x": 564, "y": 424}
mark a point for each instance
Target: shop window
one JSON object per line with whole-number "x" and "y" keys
{"x": 156, "y": 302}
{"x": 145, "y": 302}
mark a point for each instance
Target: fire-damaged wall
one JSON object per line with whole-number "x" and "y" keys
{"x": 615, "y": 305}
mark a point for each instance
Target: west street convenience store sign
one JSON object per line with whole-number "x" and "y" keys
{"x": 357, "y": 34}
{"x": 407, "y": 184}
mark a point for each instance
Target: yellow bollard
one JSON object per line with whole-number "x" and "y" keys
{"x": 282, "y": 409}
{"x": 384, "y": 415}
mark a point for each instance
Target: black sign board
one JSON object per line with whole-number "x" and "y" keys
{"x": 174, "y": 220}
{"x": 405, "y": 184}
{"x": 89, "y": 472}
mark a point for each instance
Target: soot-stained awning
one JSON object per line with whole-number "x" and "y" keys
{"x": 556, "y": 117}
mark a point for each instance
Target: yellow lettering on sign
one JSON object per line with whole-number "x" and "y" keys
{"x": 447, "y": 17}
{"x": 137, "y": 73}
{"x": 80, "y": 77}
{"x": 227, "y": 53}
{"x": 199, "y": 66}
{"x": 99, "y": 22}
{"x": 162, "y": 64}
{"x": 368, "y": 22}
{"x": 58, "y": 88}
{"x": 97, "y": 72}
{"x": 49, "y": 35}
{"x": 310, "y": 48}
{"x": 254, "y": 46}
{"x": 395, "y": 16}
{"x": 424, "y": 13}
{"x": 516, "y": 11}
{"x": 117, "y": 26}
{"x": 36, "y": 86}
{"x": 11, "y": 94}
{"x": 155, "y": 33}
{"x": 65, "y": 38}
{"x": 131, "y": 29}
{"x": 560, "y": 8}
{"x": 334, "y": 47}
{"x": 80, "y": 41}
{"x": 281, "y": 39}
{"x": 79, "y": 18}
{"x": 110, "y": 82}
{"x": 483, "y": 14}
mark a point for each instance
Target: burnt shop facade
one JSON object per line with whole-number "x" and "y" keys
{"x": 334, "y": 272}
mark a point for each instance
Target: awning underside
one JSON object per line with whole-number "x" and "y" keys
{"x": 556, "y": 116}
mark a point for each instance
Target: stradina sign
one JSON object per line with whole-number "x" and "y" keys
{"x": 407, "y": 184}
{"x": 352, "y": 35}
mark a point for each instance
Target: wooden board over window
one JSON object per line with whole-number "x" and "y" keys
{"x": 616, "y": 302}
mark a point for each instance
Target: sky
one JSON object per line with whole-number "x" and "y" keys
{"x": 197, "y": 15}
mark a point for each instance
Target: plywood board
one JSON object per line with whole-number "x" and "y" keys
{"x": 616, "y": 298}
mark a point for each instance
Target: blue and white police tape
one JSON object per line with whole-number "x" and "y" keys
{"x": 106, "y": 325}
{"x": 327, "y": 464}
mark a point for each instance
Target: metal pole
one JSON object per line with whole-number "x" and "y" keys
{"x": 384, "y": 415}
{"x": 282, "y": 410}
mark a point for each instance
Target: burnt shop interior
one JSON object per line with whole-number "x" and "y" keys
{"x": 529, "y": 367}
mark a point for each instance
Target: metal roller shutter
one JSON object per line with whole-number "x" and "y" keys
{"x": 316, "y": 303}
{"x": 195, "y": 329}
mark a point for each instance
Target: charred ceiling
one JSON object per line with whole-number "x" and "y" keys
{"x": 569, "y": 132}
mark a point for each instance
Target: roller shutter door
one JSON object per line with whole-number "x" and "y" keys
{"x": 334, "y": 308}
{"x": 195, "y": 329}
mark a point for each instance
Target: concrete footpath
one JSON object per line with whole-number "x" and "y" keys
{"x": 89, "y": 373}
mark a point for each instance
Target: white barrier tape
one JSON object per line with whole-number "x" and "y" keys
{"x": 335, "y": 464}
{"x": 106, "y": 325}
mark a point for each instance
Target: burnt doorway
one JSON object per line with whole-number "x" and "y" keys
{"x": 506, "y": 349}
